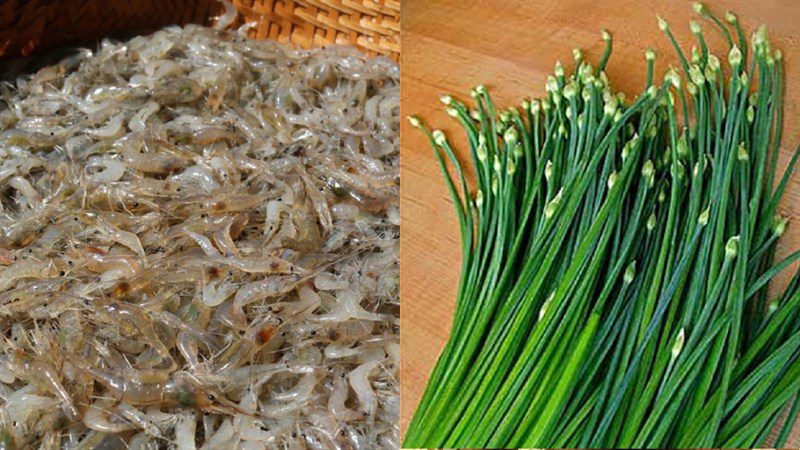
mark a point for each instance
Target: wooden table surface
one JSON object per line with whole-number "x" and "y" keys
{"x": 449, "y": 46}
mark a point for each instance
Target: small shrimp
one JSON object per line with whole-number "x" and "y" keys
{"x": 273, "y": 286}
{"x": 26, "y": 268}
{"x": 209, "y": 135}
{"x": 223, "y": 239}
{"x": 138, "y": 122}
{"x": 113, "y": 170}
{"x": 204, "y": 243}
{"x": 27, "y": 366}
{"x": 125, "y": 238}
{"x": 320, "y": 203}
{"x": 97, "y": 418}
{"x": 115, "y": 266}
{"x": 216, "y": 292}
{"x": 271, "y": 265}
{"x": 32, "y": 197}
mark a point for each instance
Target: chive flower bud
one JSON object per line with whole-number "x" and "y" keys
{"x": 630, "y": 272}
{"x": 651, "y": 221}
{"x": 696, "y": 75}
{"x": 439, "y": 138}
{"x": 649, "y": 55}
{"x": 617, "y": 116}
{"x": 414, "y": 121}
{"x": 559, "y": 70}
{"x": 713, "y": 62}
{"x": 612, "y": 179}
{"x": 476, "y": 116}
{"x": 526, "y": 105}
{"x": 568, "y": 112}
{"x": 695, "y": 55}
{"x": 562, "y": 130}
{"x": 479, "y": 198}
{"x": 662, "y": 24}
{"x": 480, "y": 89}
{"x": 695, "y": 27}
{"x": 779, "y": 225}
{"x": 703, "y": 219}
{"x": 735, "y": 56}
{"x": 652, "y": 91}
{"x": 452, "y": 112}
{"x": 518, "y": 150}
{"x": 605, "y": 35}
{"x": 550, "y": 209}
{"x": 511, "y": 167}
{"x": 710, "y": 75}
{"x": 576, "y": 54}
{"x": 481, "y": 151}
{"x": 548, "y": 170}
{"x": 743, "y": 79}
{"x": 730, "y": 17}
{"x": 535, "y": 106}
{"x": 741, "y": 153}
{"x": 510, "y": 136}
{"x": 677, "y": 347}
{"x": 772, "y": 307}
{"x": 569, "y": 91}
{"x": 551, "y": 85}
{"x": 626, "y": 150}
{"x": 778, "y": 55}
{"x": 446, "y": 99}
{"x": 692, "y": 88}
{"x": 673, "y": 78}
{"x": 495, "y": 184}
{"x": 496, "y": 165}
{"x": 732, "y": 247}
{"x": 683, "y": 146}
{"x": 648, "y": 172}
{"x": 662, "y": 194}
{"x": 698, "y": 7}
{"x": 545, "y": 105}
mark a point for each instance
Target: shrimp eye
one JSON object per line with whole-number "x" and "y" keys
{"x": 294, "y": 435}
{"x": 210, "y": 397}
{"x": 61, "y": 273}
{"x": 314, "y": 333}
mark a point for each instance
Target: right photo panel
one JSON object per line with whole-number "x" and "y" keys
{"x": 600, "y": 239}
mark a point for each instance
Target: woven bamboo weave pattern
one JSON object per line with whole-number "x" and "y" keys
{"x": 29, "y": 26}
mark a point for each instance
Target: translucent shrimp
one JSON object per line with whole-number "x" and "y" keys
{"x": 125, "y": 238}
{"x": 26, "y": 268}
{"x": 113, "y": 170}
{"x": 27, "y": 366}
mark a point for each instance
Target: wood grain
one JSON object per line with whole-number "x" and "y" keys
{"x": 449, "y": 46}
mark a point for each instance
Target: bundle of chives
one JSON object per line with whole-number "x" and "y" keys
{"x": 616, "y": 260}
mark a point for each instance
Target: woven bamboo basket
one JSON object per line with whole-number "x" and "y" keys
{"x": 33, "y": 26}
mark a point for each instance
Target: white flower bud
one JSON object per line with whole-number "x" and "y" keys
{"x": 479, "y": 198}
{"x": 604, "y": 34}
{"x": 630, "y": 272}
{"x": 612, "y": 179}
{"x": 414, "y": 121}
{"x": 730, "y": 17}
{"x": 546, "y": 305}
{"x": 741, "y": 153}
{"x": 480, "y": 89}
{"x": 559, "y": 70}
{"x": 703, "y": 219}
{"x": 552, "y": 205}
{"x": 651, "y": 222}
{"x": 439, "y": 138}
{"x": 735, "y": 56}
{"x": 649, "y": 54}
{"x": 446, "y": 99}
{"x": 779, "y": 225}
{"x": 452, "y": 112}
{"x": 548, "y": 170}
{"x": 662, "y": 24}
{"x": 510, "y": 136}
{"x": 695, "y": 27}
{"x": 732, "y": 247}
{"x": 576, "y": 54}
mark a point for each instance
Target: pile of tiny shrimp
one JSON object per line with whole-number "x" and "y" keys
{"x": 199, "y": 247}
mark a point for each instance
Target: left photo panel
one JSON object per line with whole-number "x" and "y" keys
{"x": 199, "y": 224}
